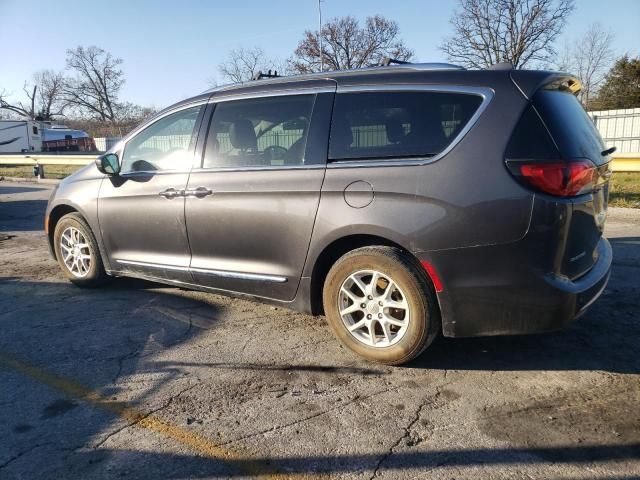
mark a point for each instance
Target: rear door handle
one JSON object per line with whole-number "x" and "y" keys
{"x": 199, "y": 192}
{"x": 171, "y": 193}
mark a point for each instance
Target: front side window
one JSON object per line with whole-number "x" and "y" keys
{"x": 259, "y": 132}
{"x": 397, "y": 124}
{"x": 165, "y": 145}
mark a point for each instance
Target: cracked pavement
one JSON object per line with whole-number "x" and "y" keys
{"x": 139, "y": 380}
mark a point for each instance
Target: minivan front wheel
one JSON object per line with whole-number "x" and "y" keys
{"x": 380, "y": 304}
{"x": 77, "y": 252}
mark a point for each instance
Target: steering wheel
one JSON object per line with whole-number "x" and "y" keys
{"x": 275, "y": 152}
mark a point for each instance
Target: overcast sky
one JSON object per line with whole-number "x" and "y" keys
{"x": 172, "y": 48}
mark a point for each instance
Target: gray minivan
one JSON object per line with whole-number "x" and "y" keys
{"x": 399, "y": 201}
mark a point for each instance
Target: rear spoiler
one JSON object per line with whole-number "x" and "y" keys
{"x": 530, "y": 81}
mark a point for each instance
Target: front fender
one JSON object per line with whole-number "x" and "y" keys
{"x": 80, "y": 194}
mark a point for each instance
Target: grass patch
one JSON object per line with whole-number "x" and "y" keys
{"x": 624, "y": 190}
{"x": 50, "y": 171}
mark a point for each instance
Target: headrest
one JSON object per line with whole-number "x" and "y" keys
{"x": 395, "y": 131}
{"x": 242, "y": 134}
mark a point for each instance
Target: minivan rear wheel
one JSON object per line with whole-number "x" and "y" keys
{"x": 77, "y": 252}
{"x": 380, "y": 304}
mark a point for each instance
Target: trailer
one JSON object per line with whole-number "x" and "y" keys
{"x": 20, "y": 136}
{"x": 24, "y": 136}
{"x": 58, "y": 138}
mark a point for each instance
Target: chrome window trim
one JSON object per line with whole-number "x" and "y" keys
{"x": 271, "y": 92}
{"x": 133, "y": 173}
{"x": 215, "y": 273}
{"x": 258, "y": 168}
{"x": 484, "y": 92}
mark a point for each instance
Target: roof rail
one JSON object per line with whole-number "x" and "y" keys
{"x": 407, "y": 67}
{"x": 386, "y": 61}
{"x": 269, "y": 74}
{"x": 501, "y": 66}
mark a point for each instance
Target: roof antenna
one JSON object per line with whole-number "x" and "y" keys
{"x": 320, "y": 35}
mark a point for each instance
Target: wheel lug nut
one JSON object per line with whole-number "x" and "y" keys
{"x": 363, "y": 305}
{"x": 369, "y": 317}
{"x": 380, "y": 303}
{"x": 370, "y": 297}
{"x": 379, "y": 315}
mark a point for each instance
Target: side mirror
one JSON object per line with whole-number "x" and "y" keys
{"x": 108, "y": 163}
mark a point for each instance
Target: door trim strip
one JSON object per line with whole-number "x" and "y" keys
{"x": 204, "y": 271}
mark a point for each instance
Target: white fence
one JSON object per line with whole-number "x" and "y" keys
{"x": 162, "y": 142}
{"x": 105, "y": 143}
{"x": 619, "y": 128}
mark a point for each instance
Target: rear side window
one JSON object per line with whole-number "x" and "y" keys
{"x": 530, "y": 139}
{"x": 374, "y": 125}
{"x": 570, "y": 126}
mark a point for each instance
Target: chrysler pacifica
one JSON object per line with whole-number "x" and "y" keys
{"x": 399, "y": 201}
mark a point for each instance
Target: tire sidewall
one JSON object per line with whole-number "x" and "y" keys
{"x": 96, "y": 271}
{"x": 420, "y": 327}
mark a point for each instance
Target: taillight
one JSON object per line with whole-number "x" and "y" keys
{"x": 560, "y": 178}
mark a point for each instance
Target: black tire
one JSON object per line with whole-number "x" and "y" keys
{"x": 404, "y": 270}
{"x": 95, "y": 275}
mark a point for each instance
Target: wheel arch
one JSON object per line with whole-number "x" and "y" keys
{"x": 332, "y": 252}
{"x": 59, "y": 211}
{"x": 52, "y": 220}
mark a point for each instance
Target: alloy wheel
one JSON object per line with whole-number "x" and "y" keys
{"x": 373, "y": 308}
{"x": 75, "y": 252}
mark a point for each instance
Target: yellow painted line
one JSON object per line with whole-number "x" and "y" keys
{"x": 195, "y": 442}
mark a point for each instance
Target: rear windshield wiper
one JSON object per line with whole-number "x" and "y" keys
{"x": 608, "y": 151}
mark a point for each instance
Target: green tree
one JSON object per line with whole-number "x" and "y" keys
{"x": 621, "y": 87}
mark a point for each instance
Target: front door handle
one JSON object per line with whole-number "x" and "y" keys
{"x": 171, "y": 193}
{"x": 199, "y": 192}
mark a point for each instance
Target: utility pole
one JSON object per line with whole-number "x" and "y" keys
{"x": 320, "y": 35}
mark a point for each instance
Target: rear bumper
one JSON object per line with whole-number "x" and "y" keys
{"x": 496, "y": 291}
{"x": 581, "y": 293}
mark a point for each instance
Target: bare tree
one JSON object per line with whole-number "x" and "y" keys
{"x": 49, "y": 95}
{"x": 564, "y": 60}
{"x": 129, "y": 116}
{"x": 243, "y": 63}
{"x": 23, "y": 109}
{"x": 590, "y": 58}
{"x": 517, "y": 31}
{"x": 97, "y": 82}
{"x": 346, "y": 45}
{"x": 44, "y": 97}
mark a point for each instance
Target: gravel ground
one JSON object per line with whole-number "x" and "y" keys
{"x": 139, "y": 380}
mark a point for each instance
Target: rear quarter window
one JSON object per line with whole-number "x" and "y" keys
{"x": 378, "y": 125}
{"x": 571, "y": 128}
